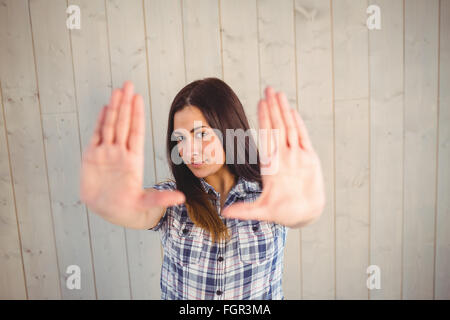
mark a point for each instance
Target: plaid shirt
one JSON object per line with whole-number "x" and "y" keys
{"x": 248, "y": 266}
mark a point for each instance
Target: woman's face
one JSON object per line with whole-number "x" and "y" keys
{"x": 198, "y": 144}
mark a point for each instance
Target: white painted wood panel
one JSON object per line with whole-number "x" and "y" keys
{"x": 240, "y": 54}
{"x": 442, "y": 256}
{"x": 386, "y": 148}
{"x": 62, "y": 143}
{"x": 12, "y": 277}
{"x": 351, "y": 93}
{"x": 27, "y": 153}
{"x": 420, "y": 134}
{"x": 201, "y": 38}
{"x": 315, "y": 98}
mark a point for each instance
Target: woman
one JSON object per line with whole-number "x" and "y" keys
{"x": 223, "y": 219}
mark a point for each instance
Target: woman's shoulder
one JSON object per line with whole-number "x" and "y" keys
{"x": 167, "y": 184}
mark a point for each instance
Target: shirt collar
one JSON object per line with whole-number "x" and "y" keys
{"x": 241, "y": 187}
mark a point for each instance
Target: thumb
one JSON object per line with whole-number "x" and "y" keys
{"x": 162, "y": 198}
{"x": 244, "y": 211}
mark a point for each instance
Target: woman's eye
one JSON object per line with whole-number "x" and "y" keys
{"x": 202, "y": 134}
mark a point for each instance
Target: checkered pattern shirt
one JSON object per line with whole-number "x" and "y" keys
{"x": 248, "y": 266}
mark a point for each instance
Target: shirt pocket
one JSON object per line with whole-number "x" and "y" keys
{"x": 185, "y": 243}
{"x": 256, "y": 242}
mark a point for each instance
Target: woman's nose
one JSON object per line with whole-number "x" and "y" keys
{"x": 192, "y": 150}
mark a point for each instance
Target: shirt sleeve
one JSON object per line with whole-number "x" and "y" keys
{"x": 169, "y": 186}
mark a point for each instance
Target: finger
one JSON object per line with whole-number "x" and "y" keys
{"x": 162, "y": 198}
{"x": 263, "y": 115}
{"x": 264, "y": 135}
{"x": 111, "y": 115}
{"x": 303, "y": 136}
{"x": 245, "y": 211}
{"x": 291, "y": 130}
{"x": 124, "y": 114}
{"x": 275, "y": 116}
{"x": 137, "y": 129}
{"x": 96, "y": 137}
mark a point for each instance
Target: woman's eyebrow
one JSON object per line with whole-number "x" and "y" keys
{"x": 193, "y": 129}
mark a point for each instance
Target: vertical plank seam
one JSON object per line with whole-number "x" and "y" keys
{"x": 437, "y": 147}
{"x": 149, "y": 86}
{"x": 184, "y": 47}
{"x": 45, "y": 151}
{"x": 298, "y": 108}
{"x": 334, "y": 139}
{"x": 182, "y": 36}
{"x": 81, "y": 151}
{"x": 111, "y": 82}
{"x": 403, "y": 161}
{"x": 369, "y": 149}
{"x": 295, "y": 56}
{"x": 13, "y": 191}
{"x": 259, "y": 53}
{"x": 150, "y": 103}
{"x": 221, "y": 40}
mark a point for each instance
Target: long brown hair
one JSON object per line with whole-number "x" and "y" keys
{"x": 222, "y": 110}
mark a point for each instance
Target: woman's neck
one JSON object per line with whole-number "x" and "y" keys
{"x": 222, "y": 181}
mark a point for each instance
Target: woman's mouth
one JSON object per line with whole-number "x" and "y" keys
{"x": 197, "y": 164}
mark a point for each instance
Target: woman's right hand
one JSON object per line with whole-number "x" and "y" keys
{"x": 113, "y": 165}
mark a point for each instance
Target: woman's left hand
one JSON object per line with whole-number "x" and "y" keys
{"x": 293, "y": 189}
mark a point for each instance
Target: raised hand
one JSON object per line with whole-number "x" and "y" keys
{"x": 113, "y": 164}
{"x": 293, "y": 194}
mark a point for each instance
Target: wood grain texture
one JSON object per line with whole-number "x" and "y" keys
{"x": 12, "y": 278}
{"x": 386, "y": 148}
{"x": 315, "y": 96}
{"x": 241, "y": 69}
{"x": 420, "y": 130}
{"x": 351, "y": 87}
{"x": 201, "y": 38}
{"x": 62, "y": 144}
{"x": 442, "y": 256}
{"x": 27, "y": 152}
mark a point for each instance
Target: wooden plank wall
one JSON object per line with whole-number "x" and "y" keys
{"x": 376, "y": 104}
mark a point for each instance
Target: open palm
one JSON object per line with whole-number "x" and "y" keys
{"x": 293, "y": 189}
{"x": 113, "y": 163}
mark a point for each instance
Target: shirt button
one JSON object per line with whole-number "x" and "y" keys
{"x": 220, "y": 259}
{"x": 185, "y": 231}
{"x": 255, "y": 228}
{"x": 219, "y": 292}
